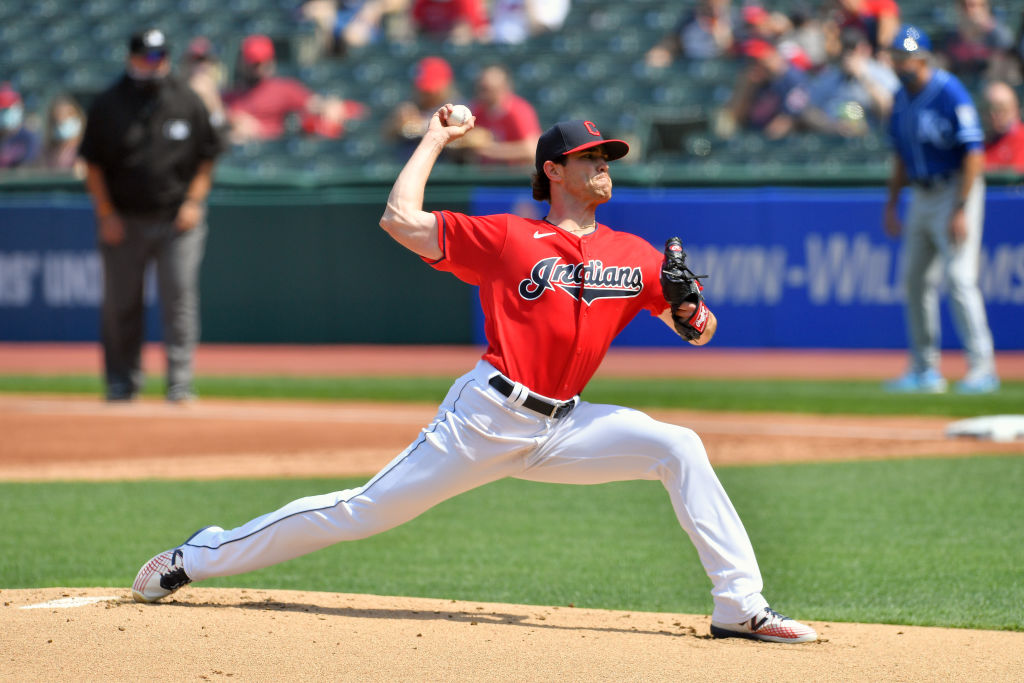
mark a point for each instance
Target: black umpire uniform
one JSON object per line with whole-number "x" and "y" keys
{"x": 149, "y": 146}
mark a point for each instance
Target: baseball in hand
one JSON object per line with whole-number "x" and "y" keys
{"x": 459, "y": 114}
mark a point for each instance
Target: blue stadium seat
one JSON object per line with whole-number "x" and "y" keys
{"x": 535, "y": 73}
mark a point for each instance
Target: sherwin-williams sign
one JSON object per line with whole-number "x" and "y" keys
{"x": 799, "y": 268}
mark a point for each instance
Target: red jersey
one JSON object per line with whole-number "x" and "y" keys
{"x": 873, "y": 9}
{"x": 552, "y": 301}
{"x": 1006, "y": 151}
{"x": 270, "y": 102}
{"x": 440, "y": 16}
{"x": 515, "y": 119}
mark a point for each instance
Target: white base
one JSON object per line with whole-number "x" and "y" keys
{"x": 1002, "y": 428}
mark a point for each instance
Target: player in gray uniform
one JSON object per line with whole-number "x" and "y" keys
{"x": 938, "y": 142}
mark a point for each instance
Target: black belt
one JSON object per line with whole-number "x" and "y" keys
{"x": 546, "y": 407}
{"x": 932, "y": 181}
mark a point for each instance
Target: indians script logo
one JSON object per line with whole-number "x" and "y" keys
{"x": 587, "y": 282}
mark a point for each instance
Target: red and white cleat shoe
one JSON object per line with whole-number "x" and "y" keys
{"x": 767, "y": 625}
{"x": 160, "y": 577}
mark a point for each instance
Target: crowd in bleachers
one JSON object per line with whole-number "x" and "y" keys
{"x": 317, "y": 85}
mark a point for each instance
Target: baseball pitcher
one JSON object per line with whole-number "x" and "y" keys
{"x": 555, "y": 292}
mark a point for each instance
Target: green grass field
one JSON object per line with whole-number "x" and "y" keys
{"x": 799, "y": 396}
{"x": 923, "y": 541}
{"x": 927, "y": 542}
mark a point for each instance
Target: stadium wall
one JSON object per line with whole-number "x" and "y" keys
{"x": 788, "y": 267}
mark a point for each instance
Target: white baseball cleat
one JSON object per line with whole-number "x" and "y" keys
{"x": 160, "y": 577}
{"x": 767, "y": 625}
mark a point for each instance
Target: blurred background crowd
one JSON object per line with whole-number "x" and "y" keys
{"x": 327, "y": 85}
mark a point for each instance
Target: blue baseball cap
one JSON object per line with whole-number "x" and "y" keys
{"x": 911, "y": 40}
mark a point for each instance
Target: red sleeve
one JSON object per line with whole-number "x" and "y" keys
{"x": 881, "y": 8}
{"x": 473, "y": 11}
{"x": 419, "y": 10}
{"x": 470, "y": 244}
{"x": 297, "y": 95}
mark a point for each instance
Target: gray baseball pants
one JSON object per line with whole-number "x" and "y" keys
{"x": 929, "y": 257}
{"x": 177, "y": 256}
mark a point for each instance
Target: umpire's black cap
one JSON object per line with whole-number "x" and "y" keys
{"x": 567, "y": 137}
{"x": 150, "y": 42}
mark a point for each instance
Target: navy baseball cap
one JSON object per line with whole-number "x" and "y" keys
{"x": 151, "y": 43}
{"x": 911, "y": 40}
{"x": 567, "y": 137}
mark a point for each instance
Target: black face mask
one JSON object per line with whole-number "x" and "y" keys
{"x": 147, "y": 82}
{"x": 250, "y": 77}
{"x": 909, "y": 79}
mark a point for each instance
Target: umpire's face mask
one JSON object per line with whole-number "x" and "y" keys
{"x": 148, "y": 72}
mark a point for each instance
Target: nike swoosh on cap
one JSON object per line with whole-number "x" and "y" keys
{"x": 538, "y": 234}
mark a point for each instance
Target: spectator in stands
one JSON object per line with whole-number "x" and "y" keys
{"x": 513, "y": 21}
{"x": 1004, "y": 132}
{"x": 65, "y": 123}
{"x": 456, "y": 21}
{"x": 762, "y": 24}
{"x": 149, "y": 150}
{"x": 980, "y": 46}
{"x": 19, "y": 145}
{"x": 204, "y": 73}
{"x": 361, "y": 22}
{"x": 770, "y": 96}
{"x": 705, "y": 32}
{"x": 852, "y": 93}
{"x": 507, "y": 128}
{"x": 808, "y": 32}
{"x": 323, "y": 14}
{"x": 341, "y": 24}
{"x": 878, "y": 19}
{"x": 433, "y": 85}
{"x": 260, "y": 107}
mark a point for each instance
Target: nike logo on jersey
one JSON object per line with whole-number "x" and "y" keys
{"x": 582, "y": 282}
{"x": 537, "y": 234}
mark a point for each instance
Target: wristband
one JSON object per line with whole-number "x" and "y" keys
{"x": 699, "y": 319}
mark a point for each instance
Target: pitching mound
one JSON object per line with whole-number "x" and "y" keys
{"x": 215, "y": 634}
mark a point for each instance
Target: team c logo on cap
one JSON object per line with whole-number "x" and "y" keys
{"x": 591, "y": 128}
{"x": 582, "y": 282}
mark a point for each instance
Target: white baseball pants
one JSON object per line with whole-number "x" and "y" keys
{"x": 478, "y": 437}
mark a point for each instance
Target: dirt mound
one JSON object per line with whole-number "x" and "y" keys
{"x": 215, "y": 634}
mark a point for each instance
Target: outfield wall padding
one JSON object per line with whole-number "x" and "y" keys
{"x": 788, "y": 267}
